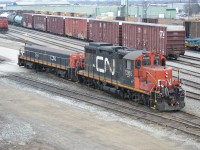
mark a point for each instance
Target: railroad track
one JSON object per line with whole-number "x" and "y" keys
{"x": 183, "y": 124}
{"x": 193, "y": 95}
{"x": 190, "y": 57}
{"x": 46, "y": 40}
{"x": 196, "y": 65}
{"x": 185, "y": 71}
{"x": 51, "y": 36}
{"x": 21, "y": 40}
{"x": 194, "y": 85}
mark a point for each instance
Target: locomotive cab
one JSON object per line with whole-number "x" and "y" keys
{"x": 152, "y": 75}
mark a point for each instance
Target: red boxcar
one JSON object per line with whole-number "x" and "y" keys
{"x": 27, "y": 21}
{"x": 104, "y": 31}
{"x": 56, "y": 24}
{"x": 162, "y": 39}
{"x": 40, "y": 22}
{"x": 3, "y": 24}
{"x": 76, "y": 27}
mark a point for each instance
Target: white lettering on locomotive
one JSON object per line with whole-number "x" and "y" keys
{"x": 53, "y": 58}
{"x": 168, "y": 80}
{"x": 37, "y": 55}
{"x": 106, "y": 63}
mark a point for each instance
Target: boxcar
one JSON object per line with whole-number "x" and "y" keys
{"x": 167, "y": 40}
{"x": 40, "y": 22}
{"x": 56, "y": 24}
{"x": 104, "y": 31}
{"x": 192, "y": 29}
{"x": 175, "y": 41}
{"x": 27, "y": 20}
{"x": 76, "y": 27}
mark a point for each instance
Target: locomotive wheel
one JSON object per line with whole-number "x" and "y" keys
{"x": 121, "y": 94}
{"x": 95, "y": 85}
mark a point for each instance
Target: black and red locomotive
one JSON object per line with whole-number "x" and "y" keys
{"x": 137, "y": 75}
{"x": 3, "y": 24}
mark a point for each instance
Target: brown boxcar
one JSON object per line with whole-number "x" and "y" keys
{"x": 167, "y": 40}
{"x": 40, "y": 22}
{"x": 56, "y": 24}
{"x": 175, "y": 40}
{"x": 104, "y": 31}
{"x": 76, "y": 27}
{"x": 27, "y": 21}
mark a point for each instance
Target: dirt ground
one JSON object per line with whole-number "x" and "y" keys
{"x": 31, "y": 121}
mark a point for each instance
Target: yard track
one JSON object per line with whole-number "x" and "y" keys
{"x": 188, "y": 124}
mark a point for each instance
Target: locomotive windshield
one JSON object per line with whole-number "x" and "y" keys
{"x": 146, "y": 61}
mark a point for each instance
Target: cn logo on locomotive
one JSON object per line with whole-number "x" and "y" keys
{"x": 105, "y": 64}
{"x": 52, "y": 58}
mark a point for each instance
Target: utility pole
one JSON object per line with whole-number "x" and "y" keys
{"x": 126, "y": 10}
{"x": 145, "y": 7}
{"x": 189, "y": 10}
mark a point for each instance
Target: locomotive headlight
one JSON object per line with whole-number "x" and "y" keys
{"x": 166, "y": 74}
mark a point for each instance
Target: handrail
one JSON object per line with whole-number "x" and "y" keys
{"x": 153, "y": 79}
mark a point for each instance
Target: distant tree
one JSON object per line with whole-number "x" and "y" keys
{"x": 192, "y": 7}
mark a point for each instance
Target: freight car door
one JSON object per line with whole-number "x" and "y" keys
{"x": 128, "y": 72}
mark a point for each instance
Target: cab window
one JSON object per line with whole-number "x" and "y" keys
{"x": 163, "y": 62}
{"x": 137, "y": 64}
{"x": 128, "y": 64}
{"x": 146, "y": 61}
{"x": 156, "y": 60}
